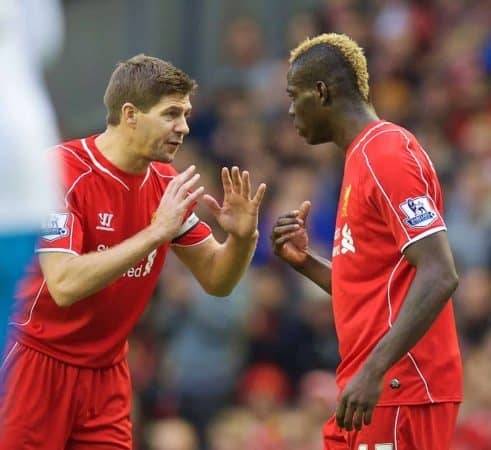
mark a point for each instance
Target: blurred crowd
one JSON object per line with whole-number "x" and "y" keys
{"x": 256, "y": 370}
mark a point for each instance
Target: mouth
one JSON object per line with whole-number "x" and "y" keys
{"x": 175, "y": 143}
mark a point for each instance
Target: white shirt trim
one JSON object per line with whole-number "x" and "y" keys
{"x": 161, "y": 174}
{"x": 147, "y": 175}
{"x": 377, "y": 182}
{"x": 34, "y": 303}
{"x": 422, "y": 235}
{"x": 9, "y": 354}
{"x": 56, "y": 250}
{"x": 423, "y": 379}
{"x": 364, "y": 137}
{"x": 100, "y": 166}
{"x": 196, "y": 243}
{"x": 87, "y": 172}
{"x": 396, "y": 421}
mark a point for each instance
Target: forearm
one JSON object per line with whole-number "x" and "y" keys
{"x": 317, "y": 269}
{"x": 228, "y": 263}
{"x": 81, "y": 276}
{"x": 428, "y": 294}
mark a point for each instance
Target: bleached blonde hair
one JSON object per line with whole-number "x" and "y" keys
{"x": 349, "y": 49}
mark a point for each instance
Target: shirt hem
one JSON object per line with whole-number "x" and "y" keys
{"x": 422, "y": 402}
{"x": 31, "y": 343}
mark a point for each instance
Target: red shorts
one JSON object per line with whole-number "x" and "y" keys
{"x": 46, "y": 404}
{"x": 420, "y": 427}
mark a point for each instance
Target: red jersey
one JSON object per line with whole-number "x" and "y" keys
{"x": 389, "y": 199}
{"x": 103, "y": 207}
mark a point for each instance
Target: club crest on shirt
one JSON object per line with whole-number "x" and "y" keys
{"x": 55, "y": 227}
{"x": 418, "y": 211}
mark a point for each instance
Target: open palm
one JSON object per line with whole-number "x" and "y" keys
{"x": 238, "y": 214}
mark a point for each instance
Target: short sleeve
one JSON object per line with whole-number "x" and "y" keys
{"x": 62, "y": 232}
{"x": 403, "y": 188}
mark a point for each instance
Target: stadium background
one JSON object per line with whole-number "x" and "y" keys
{"x": 255, "y": 371}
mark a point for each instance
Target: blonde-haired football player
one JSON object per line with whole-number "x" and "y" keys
{"x": 392, "y": 272}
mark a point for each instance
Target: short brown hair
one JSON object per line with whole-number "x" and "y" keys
{"x": 143, "y": 80}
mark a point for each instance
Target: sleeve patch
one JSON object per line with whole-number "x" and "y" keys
{"x": 55, "y": 227}
{"x": 419, "y": 212}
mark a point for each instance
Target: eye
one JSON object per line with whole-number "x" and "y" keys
{"x": 170, "y": 114}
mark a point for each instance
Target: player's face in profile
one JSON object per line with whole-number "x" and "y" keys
{"x": 162, "y": 129}
{"x": 306, "y": 111}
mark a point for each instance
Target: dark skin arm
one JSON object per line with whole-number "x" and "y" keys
{"x": 435, "y": 281}
{"x": 290, "y": 241}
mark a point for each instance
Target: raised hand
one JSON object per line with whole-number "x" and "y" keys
{"x": 176, "y": 200}
{"x": 238, "y": 215}
{"x": 289, "y": 238}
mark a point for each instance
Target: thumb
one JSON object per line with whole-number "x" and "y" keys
{"x": 212, "y": 204}
{"x": 304, "y": 211}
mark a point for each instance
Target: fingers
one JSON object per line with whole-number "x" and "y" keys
{"x": 348, "y": 416}
{"x": 186, "y": 187}
{"x": 288, "y": 221}
{"x": 279, "y": 241}
{"x": 246, "y": 184}
{"x": 226, "y": 181}
{"x": 212, "y": 204}
{"x": 279, "y": 230}
{"x": 258, "y": 198}
{"x": 236, "y": 180}
{"x": 367, "y": 420}
{"x": 351, "y": 414}
{"x": 340, "y": 412}
{"x": 304, "y": 210}
{"x": 178, "y": 180}
{"x": 301, "y": 213}
{"x": 193, "y": 196}
{"x": 358, "y": 417}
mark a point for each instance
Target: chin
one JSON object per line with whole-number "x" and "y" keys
{"x": 164, "y": 158}
{"x": 317, "y": 140}
{"x": 313, "y": 140}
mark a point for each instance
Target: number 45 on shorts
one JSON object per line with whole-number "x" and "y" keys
{"x": 377, "y": 447}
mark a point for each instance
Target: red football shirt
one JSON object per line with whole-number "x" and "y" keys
{"x": 103, "y": 207}
{"x": 389, "y": 199}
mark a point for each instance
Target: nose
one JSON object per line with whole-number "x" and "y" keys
{"x": 182, "y": 126}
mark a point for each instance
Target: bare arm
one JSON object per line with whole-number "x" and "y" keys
{"x": 290, "y": 242}
{"x": 317, "y": 269}
{"x": 218, "y": 267}
{"x": 435, "y": 281}
{"x": 71, "y": 278}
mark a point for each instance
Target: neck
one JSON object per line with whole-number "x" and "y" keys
{"x": 119, "y": 150}
{"x": 351, "y": 123}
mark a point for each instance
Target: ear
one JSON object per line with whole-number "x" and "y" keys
{"x": 323, "y": 92}
{"x": 128, "y": 114}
